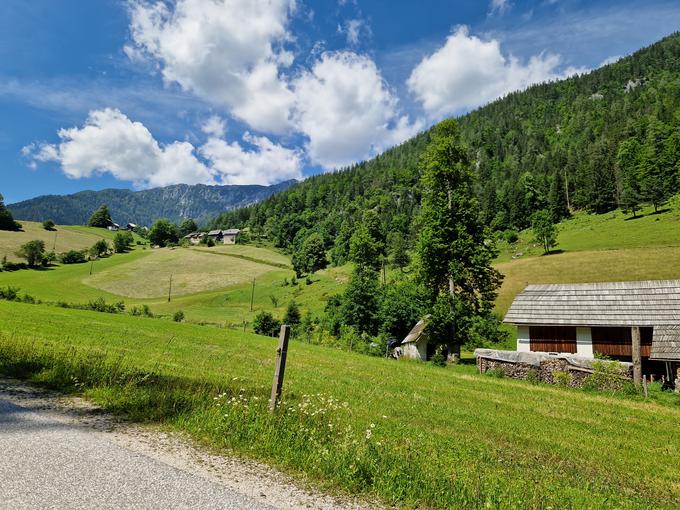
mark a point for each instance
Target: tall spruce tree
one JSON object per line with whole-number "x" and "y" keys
{"x": 454, "y": 253}
{"x": 101, "y": 217}
{"x": 6, "y": 219}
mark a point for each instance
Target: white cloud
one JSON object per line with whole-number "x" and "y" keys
{"x": 499, "y": 6}
{"x": 467, "y": 72}
{"x": 225, "y": 51}
{"x": 215, "y": 126}
{"x": 268, "y": 164}
{"x": 347, "y": 111}
{"x": 109, "y": 142}
{"x": 353, "y": 29}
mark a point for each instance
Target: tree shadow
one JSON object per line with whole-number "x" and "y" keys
{"x": 636, "y": 217}
{"x": 553, "y": 252}
{"x": 661, "y": 211}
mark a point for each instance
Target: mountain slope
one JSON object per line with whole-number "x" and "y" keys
{"x": 143, "y": 207}
{"x": 554, "y": 145}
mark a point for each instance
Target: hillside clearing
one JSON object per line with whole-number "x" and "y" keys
{"x": 652, "y": 263}
{"x": 62, "y": 239}
{"x": 192, "y": 271}
{"x": 439, "y": 437}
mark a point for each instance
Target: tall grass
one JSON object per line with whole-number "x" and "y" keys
{"x": 410, "y": 434}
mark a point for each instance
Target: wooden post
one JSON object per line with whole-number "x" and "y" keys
{"x": 281, "y": 352}
{"x": 91, "y": 266}
{"x": 170, "y": 288}
{"x": 252, "y": 295}
{"x": 635, "y": 353}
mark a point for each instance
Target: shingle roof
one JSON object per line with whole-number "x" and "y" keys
{"x": 231, "y": 232}
{"x": 666, "y": 343}
{"x": 645, "y": 303}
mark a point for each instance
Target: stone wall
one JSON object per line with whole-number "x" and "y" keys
{"x": 565, "y": 369}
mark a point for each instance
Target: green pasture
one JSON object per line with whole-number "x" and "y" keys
{"x": 410, "y": 434}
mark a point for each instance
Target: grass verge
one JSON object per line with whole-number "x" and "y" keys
{"x": 411, "y": 434}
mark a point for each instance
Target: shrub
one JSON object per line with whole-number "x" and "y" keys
{"x": 122, "y": 242}
{"x": 607, "y": 376}
{"x": 496, "y": 372}
{"x": 72, "y": 257}
{"x": 179, "y": 316}
{"x": 562, "y": 377}
{"x": 266, "y": 324}
{"x": 292, "y": 316}
{"x": 33, "y": 252}
{"x": 532, "y": 376}
{"x": 9, "y": 293}
{"x": 48, "y": 225}
{"x": 99, "y": 249}
{"x": 511, "y": 236}
{"x": 438, "y": 359}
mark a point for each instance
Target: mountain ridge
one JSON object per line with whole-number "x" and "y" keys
{"x": 174, "y": 202}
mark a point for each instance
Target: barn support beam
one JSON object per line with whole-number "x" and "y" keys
{"x": 636, "y": 355}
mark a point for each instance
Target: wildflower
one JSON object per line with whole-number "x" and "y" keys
{"x": 369, "y": 433}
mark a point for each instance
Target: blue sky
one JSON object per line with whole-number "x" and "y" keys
{"x": 136, "y": 94}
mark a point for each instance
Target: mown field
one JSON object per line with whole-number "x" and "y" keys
{"x": 410, "y": 434}
{"x": 62, "y": 239}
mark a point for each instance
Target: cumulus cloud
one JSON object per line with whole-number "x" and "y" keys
{"x": 267, "y": 164}
{"x": 225, "y": 51}
{"x": 347, "y": 111}
{"x": 467, "y": 72}
{"x": 109, "y": 142}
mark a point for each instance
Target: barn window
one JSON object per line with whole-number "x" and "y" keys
{"x": 553, "y": 338}
{"x": 617, "y": 341}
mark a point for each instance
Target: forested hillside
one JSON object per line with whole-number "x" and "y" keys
{"x": 176, "y": 202}
{"x": 598, "y": 141}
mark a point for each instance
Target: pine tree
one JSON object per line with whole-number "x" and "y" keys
{"x": 557, "y": 198}
{"x": 6, "y": 219}
{"x": 101, "y": 217}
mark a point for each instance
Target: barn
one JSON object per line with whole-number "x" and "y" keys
{"x": 591, "y": 319}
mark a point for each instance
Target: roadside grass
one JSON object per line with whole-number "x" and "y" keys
{"x": 410, "y": 434}
{"x": 62, "y": 239}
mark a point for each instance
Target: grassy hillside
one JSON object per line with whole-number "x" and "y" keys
{"x": 438, "y": 437}
{"x": 64, "y": 238}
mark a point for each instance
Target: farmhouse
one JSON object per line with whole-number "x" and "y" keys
{"x": 229, "y": 235}
{"x": 600, "y": 319}
{"x": 195, "y": 237}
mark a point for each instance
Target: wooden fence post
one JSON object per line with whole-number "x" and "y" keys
{"x": 281, "y": 352}
{"x": 637, "y": 358}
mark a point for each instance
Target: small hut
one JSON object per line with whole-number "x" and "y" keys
{"x": 416, "y": 344}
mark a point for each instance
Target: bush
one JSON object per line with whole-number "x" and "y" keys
{"x": 532, "y": 376}
{"x": 562, "y": 378}
{"x": 48, "y": 225}
{"x": 511, "y": 236}
{"x": 438, "y": 359}
{"x": 33, "y": 252}
{"x": 292, "y": 316}
{"x": 122, "y": 242}
{"x": 496, "y": 372}
{"x": 72, "y": 257}
{"x": 607, "y": 376}
{"x": 265, "y": 324}
{"x": 99, "y": 249}
{"x": 179, "y": 316}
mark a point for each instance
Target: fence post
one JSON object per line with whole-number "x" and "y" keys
{"x": 281, "y": 352}
{"x": 637, "y": 359}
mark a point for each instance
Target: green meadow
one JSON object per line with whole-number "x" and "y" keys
{"x": 408, "y": 434}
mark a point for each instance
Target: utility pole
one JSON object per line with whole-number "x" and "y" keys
{"x": 54, "y": 246}
{"x": 280, "y": 370}
{"x": 170, "y": 288}
{"x": 252, "y": 295}
{"x": 91, "y": 266}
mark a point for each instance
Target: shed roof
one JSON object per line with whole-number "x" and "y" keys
{"x": 643, "y": 303}
{"x": 215, "y": 233}
{"x": 666, "y": 343}
{"x": 417, "y": 332}
{"x": 231, "y": 232}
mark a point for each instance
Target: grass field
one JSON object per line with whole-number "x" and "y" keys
{"x": 411, "y": 434}
{"x": 62, "y": 239}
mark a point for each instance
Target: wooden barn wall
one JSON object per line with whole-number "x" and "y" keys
{"x": 617, "y": 341}
{"x": 553, "y": 338}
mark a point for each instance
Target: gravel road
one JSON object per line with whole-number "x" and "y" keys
{"x": 63, "y": 453}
